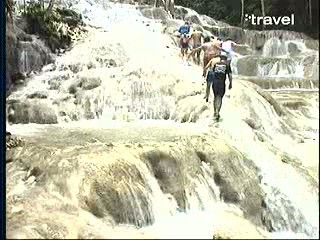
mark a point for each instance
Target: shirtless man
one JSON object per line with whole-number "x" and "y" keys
{"x": 196, "y": 37}
{"x": 211, "y": 49}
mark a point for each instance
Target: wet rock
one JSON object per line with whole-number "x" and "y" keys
{"x": 13, "y": 141}
{"x": 311, "y": 67}
{"x": 312, "y": 44}
{"x": 33, "y": 112}
{"x": 36, "y": 53}
{"x": 18, "y": 78}
{"x": 154, "y": 13}
{"x": 276, "y": 106}
{"x": 168, "y": 173}
{"x": 75, "y": 68}
{"x": 24, "y": 52}
{"x": 235, "y": 33}
{"x": 194, "y": 18}
{"x": 180, "y": 12}
{"x": 108, "y": 198}
{"x": 248, "y": 66}
{"x": 252, "y": 123}
{"x": 56, "y": 81}
{"x": 231, "y": 174}
{"x": 88, "y": 83}
{"x": 243, "y": 49}
{"x": 293, "y": 49}
{"x": 39, "y": 94}
{"x": 72, "y": 89}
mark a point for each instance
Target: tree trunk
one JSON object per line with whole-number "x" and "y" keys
{"x": 158, "y": 3}
{"x": 242, "y": 12}
{"x": 171, "y": 7}
{"x": 168, "y": 5}
{"x": 51, "y": 3}
{"x": 262, "y": 11}
{"x": 9, "y": 10}
{"x": 310, "y": 12}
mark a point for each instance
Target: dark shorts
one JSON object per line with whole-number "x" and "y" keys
{"x": 218, "y": 86}
{"x": 210, "y": 76}
{"x": 184, "y": 44}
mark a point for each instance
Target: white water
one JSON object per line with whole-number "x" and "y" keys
{"x": 205, "y": 208}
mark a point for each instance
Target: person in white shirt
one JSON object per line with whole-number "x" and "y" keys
{"x": 227, "y": 47}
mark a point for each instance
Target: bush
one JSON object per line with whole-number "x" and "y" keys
{"x": 53, "y": 26}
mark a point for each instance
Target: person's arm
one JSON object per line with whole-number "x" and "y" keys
{"x": 233, "y": 44}
{"x": 191, "y": 36}
{"x": 210, "y": 64}
{"x": 220, "y": 48}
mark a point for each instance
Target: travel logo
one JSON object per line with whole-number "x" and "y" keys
{"x": 269, "y": 20}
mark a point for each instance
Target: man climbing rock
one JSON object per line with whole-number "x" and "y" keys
{"x": 184, "y": 31}
{"x": 211, "y": 49}
{"x": 219, "y": 69}
{"x": 227, "y": 47}
{"x": 197, "y": 38}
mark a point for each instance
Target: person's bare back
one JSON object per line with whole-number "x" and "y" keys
{"x": 196, "y": 38}
{"x": 211, "y": 48}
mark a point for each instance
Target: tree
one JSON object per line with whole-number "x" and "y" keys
{"x": 168, "y": 5}
{"x": 262, "y": 11}
{"x": 310, "y": 12}
{"x": 50, "y": 6}
{"x": 158, "y": 3}
{"x": 242, "y": 12}
{"x": 9, "y": 10}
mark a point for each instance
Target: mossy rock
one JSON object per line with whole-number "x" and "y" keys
{"x": 46, "y": 23}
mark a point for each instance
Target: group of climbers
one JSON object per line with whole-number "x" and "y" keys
{"x": 217, "y": 56}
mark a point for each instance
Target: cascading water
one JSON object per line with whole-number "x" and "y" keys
{"x": 105, "y": 162}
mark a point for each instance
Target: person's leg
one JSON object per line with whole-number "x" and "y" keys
{"x": 217, "y": 106}
{"x": 181, "y": 46}
{"x": 218, "y": 88}
{"x": 209, "y": 84}
{"x": 229, "y": 61}
{"x": 205, "y": 62}
{"x": 198, "y": 58}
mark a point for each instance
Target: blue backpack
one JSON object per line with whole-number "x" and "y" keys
{"x": 184, "y": 29}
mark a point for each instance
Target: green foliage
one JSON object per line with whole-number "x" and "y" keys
{"x": 229, "y": 11}
{"x": 47, "y": 24}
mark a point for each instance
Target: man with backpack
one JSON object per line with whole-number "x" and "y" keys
{"x": 211, "y": 48}
{"x": 184, "y": 32}
{"x": 219, "y": 69}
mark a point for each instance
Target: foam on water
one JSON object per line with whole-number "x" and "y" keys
{"x": 205, "y": 210}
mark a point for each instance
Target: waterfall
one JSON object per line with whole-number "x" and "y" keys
{"x": 120, "y": 143}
